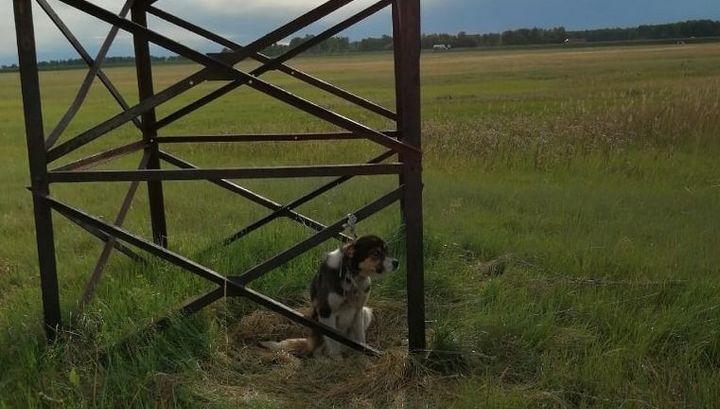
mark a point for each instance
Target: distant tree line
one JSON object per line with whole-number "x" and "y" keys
{"x": 523, "y": 36}
{"x": 538, "y": 36}
{"x": 683, "y": 29}
{"x": 109, "y": 61}
{"x": 520, "y": 37}
{"x": 334, "y": 45}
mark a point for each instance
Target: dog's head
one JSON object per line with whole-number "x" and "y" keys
{"x": 368, "y": 256}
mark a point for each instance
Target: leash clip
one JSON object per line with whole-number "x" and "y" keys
{"x": 351, "y": 224}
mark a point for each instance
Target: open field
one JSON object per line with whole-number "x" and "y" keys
{"x": 596, "y": 170}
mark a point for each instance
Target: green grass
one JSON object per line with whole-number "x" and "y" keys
{"x": 595, "y": 170}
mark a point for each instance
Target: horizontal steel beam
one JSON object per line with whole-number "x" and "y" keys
{"x": 288, "y": 172}
{"x": 296, "y": 137}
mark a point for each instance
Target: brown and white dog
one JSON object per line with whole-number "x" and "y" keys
{"x": 339, "y": 292}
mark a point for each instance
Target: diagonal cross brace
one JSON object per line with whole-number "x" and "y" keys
{"x": 110, "y": 244}
{"x": 106, "y": 238}
{"x": 236, "y": 286}
{"x": 292, "y": 71}
{"x": 317, "y": 239}
{"x": 92, "y": 73}
{"x": 97, "y": 159}
{"x": 410, "y": 152}
{"x": 277, "y": 63}
{"x": 198, "y": 77}
{"x": 299, "y": 202}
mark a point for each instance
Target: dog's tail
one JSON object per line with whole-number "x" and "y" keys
{"x": 295, "y": 346}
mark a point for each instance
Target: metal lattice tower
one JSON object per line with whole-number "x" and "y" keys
{"x": 403, "y": 143}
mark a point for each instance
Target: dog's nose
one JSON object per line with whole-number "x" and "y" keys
{"x": 395, "y": 264}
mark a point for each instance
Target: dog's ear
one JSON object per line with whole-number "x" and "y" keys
{"x": 348, "y": 250}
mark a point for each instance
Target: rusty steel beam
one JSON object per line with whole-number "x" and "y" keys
{"x": 218, "y": 174}
{"x": 292, "y": 137}
{"x": 407, "y": 57}
{"x": 35, "y": 139}
{"x": 143, "y": 65}
{"x": 289, "y": 70}
{"x": 405, "y": 142}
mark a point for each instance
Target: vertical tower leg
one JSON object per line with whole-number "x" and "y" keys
{"x": 143, "y": 66}
{"x": 406, "y": 22}
{"x": 398, "y": 91}
{"x": 38, "y": 165}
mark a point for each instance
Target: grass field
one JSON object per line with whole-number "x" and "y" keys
{"x": 594, "y": 171}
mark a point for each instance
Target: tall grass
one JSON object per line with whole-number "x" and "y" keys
{"x": 593, "y": 173}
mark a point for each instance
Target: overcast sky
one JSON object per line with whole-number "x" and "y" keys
{"x": 244, "y": 20}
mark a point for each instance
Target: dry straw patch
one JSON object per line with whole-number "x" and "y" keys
{"x": 249, "y": 376}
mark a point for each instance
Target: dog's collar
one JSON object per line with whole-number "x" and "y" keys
{"x": 345, "y": 270}
{"x": 351, "y": 285}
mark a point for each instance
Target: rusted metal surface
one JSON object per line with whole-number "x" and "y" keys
{"x": 403, "y": 142}
{"x": 143, "y": 67}
{"x": 217, "y": 174}
{"x": 407, "y": 51}
{"x": 298, "y": 137}
{"x": 35, "y": 139}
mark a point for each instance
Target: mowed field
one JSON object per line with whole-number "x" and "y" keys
{"x": 593, "y": 173}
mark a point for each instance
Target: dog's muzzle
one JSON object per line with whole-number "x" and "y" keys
{"x": 390, "y": 264}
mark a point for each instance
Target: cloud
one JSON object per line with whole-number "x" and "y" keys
{"x": 252, "y": 7}
{"x": 242, "y": 21}
{"x": 49, "y": 40}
